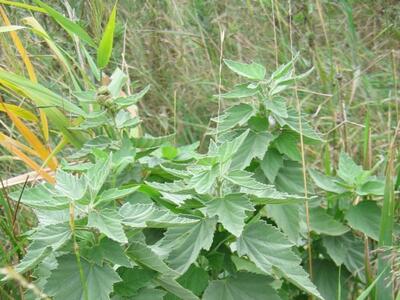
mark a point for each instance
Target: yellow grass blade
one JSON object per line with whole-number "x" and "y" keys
{"x": 30, "y": 137}
{"x": 20, "y": 112}
{"x": 28, "y": 64}
{"x": 29, "y": 162}
{"x": 5, "y": 140}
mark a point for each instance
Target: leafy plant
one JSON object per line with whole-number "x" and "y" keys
{"x": 134, "y": 216}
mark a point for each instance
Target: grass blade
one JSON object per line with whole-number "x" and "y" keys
{"x": 106, "y": 43}
{"x": 71, "y": 27}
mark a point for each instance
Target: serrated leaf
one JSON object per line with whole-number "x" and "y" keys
{"x": 323, "y": 223}
{"x": 172, "y": 286}
{"x": 149, "y": 215}
{"x": 236, "y": 115}
{"x": 106, "y": 44}
{"x": 244, "y": 179}
{"x": 147, "y": 142}
{"x": 70, "y": 186}
{"x": 325, "y": 182}
{"x": 184, "y": 243}
{"x": 41, "y": 196}
{"x": 348, "y": 250}
{"x": 254, "y": 146}
{"x": 240, "y": 91}
{"x": 115, "y": 193}
{"x": 145, "y": 256}
{"x": 133, "y": 279}
{"x": 108, "y": 222}
{"x": 99, "y": 280}
{"x": 371, "y": 187}
{"x": 36, "y": 252}
{"x": 124, "y": 119}
{"x": 278, "y": 106}
{"x": 52, "y": 235}
{"x": 246, "y": 265}
{"x": 271, "y": 164}
{"x": 292, "y": 121}
{"x": 97, "y": 175}
{"x": 287, "y": 218}
{"x": 203, "y": 181}
{"x": 290, "y": 178}
{"x": 286, "y": 143}
{"x": 365, "y": 217}
{"x": 268, "y": 248}
{"x": 132, "y": 99}
{"x": 241, "y": 286}
{"x": 109, "y": 250}
{"x": 231, "y": 211}
{"x": 348, "y": 170}
{"x": 253, "y": 71}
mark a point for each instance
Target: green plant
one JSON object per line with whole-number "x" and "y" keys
{"x": 140, "y": 217}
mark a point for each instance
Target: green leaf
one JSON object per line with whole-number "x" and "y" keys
{"x": 106, "y": 44}
{"x": 325, "y": 182}
{"x": 203, "y": 181}
{"x": 41, "y": 196}
{"x": 371, "y": 187}
{"x": 241, "y": 286}
{"x": 108, "y": 222}
{"x": 365, "y": 217}
{"x": 322, "y": 223}
{"x": 52, "y": 235}
{"x": 348, "y": 170}
{"x": 347, "y": 250}
{"x": 292, "y": 121}
{"x": 184, "y": 243}
{"x": 246, "y": 265}
{"x": 231, "y": 211}
{"x": 36, "y": 252}
{"x": 236, "y": 115}
{"x": 287, "y": 217}
{"x": 278, "y": 106}
{"x": 286, "y": 143}
{"x": 172, "y": 286}
{"x": 149, "y": 215}
{"x": 123, "y": 102}
{"x": 70, "y": 186}
{"x": 124, "y": 119}
{"x": 271, "y": 164}
{"x": 240, "y": 91}
{"x": 132, "y": 281}
{"x": 145, "y": 256}
{"x": 255, "y": 145}
{"x": 115, "y": 193}
{"x": 290, "y": 178}
{"x": 71, "y": 27}
{"x": 97, "y": 175}
{"x": 268, "y": 248}
{"x": 195, "y": 279}
{"x": 253, "y": 71}
{"x": 98, "y": 280}
{"x": 330, "y": 281}
{"x": 244, "y": 179}
{"x": 150, "y": 294}
{"x": 147, "y": 142}
{"x": 108, "y": 250}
